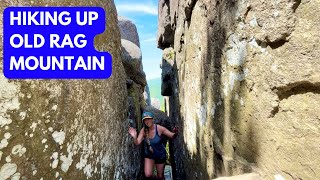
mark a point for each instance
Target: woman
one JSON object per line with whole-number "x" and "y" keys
{"x": 154, "y": 150}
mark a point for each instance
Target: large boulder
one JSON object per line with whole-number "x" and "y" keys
{"x": 128, "y": 30}
{"x": 132, "y": 62}
{"x": 167, "y": 73}
{"x": 165, "y": 31}
{"x": 246, "y": 87}
{"x": 68, "y": 129}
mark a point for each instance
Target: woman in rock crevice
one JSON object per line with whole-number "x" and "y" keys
{"x": 154, "y": 150}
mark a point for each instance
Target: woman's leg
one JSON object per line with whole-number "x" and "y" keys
{"x": 160, "y": 171}
{"x": 148, "y": 167}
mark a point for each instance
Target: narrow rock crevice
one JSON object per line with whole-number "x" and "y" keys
{"x": 277, "y": 44}
{"x": 247, "y": 12}
{"x": 189, "y": 8}
{"x": 297, "y": 88}
{"x": 274, "y": 44}
{"x": 274, "y": 111}
{"x": 294, "y": 89}
{"x": 296, "y": 5}
{"x": 289, "y": 174}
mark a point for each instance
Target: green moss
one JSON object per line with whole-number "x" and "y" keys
{"x": 170, "y": 55}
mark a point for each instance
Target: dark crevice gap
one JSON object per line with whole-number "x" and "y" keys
{"x": 294, "y": 89}
{"x": 297, "y": 88}
{"x": 296, "y": 5}
{"x": 274, "y": 111}
{"x": 247, "y": 12}
{"x": 277, "y": 44}
{"x": 274, "y": 44}
{"x": 189, "y": 8}
{"x": 289, "y": 174}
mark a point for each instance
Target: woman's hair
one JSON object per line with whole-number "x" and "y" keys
{"x": 146, "y": 133}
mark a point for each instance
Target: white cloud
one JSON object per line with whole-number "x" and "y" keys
{"x": 127, "y": 18}
{"x": 149, "y": 40}
{"x": 148, "y": 9}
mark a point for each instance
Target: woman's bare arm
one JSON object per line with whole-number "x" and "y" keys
{"x": 166, "y": 132}
{"x": 138, "y": 140}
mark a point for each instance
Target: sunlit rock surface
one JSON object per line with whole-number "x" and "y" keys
{"x": 62, "y": 129}
{"x": 128, "y": 30}
{"x": 244, "y": 87}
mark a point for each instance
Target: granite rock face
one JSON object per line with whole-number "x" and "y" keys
{"x": 146, "y": 95}
{"x": 62, "y": 129}
{"x": 138, "y": 92}
{"x": 132, "y": 62}
{"x": 165, "y": 32}
{"x": 137, "y": 87}
{"x": 245, "y": 87}
{"x": 167, "y": 72}
{"x": 128, "y": 30}
{"x": 131, "y": 52}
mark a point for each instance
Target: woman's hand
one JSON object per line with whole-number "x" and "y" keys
{"x": 166, "y": 132}
{"x": 175, "y": 131}
{"x": 133, "y": 132}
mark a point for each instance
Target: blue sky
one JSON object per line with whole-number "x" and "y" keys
{"x": 144, "y": 14}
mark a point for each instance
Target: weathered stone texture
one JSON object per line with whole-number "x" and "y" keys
{"x": 137, "y": 101}
{"x": 146, "y": 95}
{"x": 165, "y": 35}
{"x": 248, "y": 176}
{"x": 132, "y": 62}
{"x": 128, "y": 30}
{"x": 245, "y": 87}
{"x": 138, "y": 91}
{"x": 52, "y": 129}
{"x": 167, "y": 72}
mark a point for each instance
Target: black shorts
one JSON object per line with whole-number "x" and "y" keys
{"x": 157, "y": 160}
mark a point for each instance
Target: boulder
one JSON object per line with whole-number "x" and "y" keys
{"x": 167, "y": 72}
{"x": 165, "y": 32}
{"x": 132, "y": 62}
{"x": 247, "y": 79}
{"x": 128, "y": 30}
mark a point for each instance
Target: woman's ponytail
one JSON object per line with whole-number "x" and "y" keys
{"x": 146, "y": 133}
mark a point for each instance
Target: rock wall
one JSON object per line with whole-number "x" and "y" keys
{"x": 128, "y": 30}
{"x": 243, "y": 82}
{"x": 138, "y": 91}
{"x": 54, "y": 129}
{"x": 146, "y": 95}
